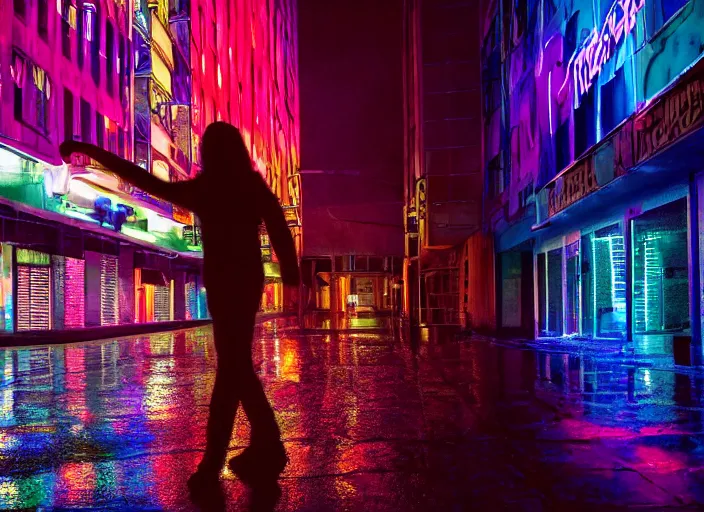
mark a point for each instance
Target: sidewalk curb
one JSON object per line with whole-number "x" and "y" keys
{"x": 101, "y": 333}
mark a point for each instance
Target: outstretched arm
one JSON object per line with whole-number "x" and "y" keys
{"x": 279, "y": 234}
{"x": 180, "y": 193}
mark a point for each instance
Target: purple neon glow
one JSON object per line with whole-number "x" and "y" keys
{"x": 588, "y": 60}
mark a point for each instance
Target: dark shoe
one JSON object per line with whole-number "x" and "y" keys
{"x": 259, "y": 462}
{"x": 205, "y": 490}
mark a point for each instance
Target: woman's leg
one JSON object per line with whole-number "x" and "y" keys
{"x": 225, "y": 397}
{"x": 254, "y": 402}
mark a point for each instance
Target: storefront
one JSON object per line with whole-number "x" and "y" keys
{"x": 154, "y": 296}
{"x": 619, "y": 238}
{"x": 33, "y": 292}
{"x": 68, "y": 292}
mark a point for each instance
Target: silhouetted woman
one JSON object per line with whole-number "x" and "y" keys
{"x": 231, "y": 200}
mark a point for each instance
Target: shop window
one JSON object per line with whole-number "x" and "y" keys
{"x": 109, "y": 305}
{"x": 660, "y": 270}
{"x": 7, "y": 313}
{"x": 603, "y": 274}
{"x": 542, "y": 294}
{"x": 659, "y": 13}
{"x": 33, "y": 290}
{"x": 74, "y": 296}
{"x": 510, "y": 289}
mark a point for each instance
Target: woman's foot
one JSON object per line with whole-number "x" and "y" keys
{"x": 204, "y": 487}
{"x": 260, "y": 461}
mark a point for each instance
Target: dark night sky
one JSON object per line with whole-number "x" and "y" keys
{"x": 351, "y": 111}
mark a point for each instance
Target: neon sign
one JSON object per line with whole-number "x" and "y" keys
{"x": 589, "y": 59}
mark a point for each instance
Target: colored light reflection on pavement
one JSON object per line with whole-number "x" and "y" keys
{"x": 369, "y": 420}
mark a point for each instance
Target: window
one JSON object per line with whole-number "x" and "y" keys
{"x": 562, "y": 149}
{"x": 614, "y": 102}
{"x": 585, "y": 123}
{"x": 520, "y": 19}
{"x": 20, "y": 7}
{"x": 660, "y": 270}
{"x": 603, "y": 276}
{"x": 93, "y": 35}
{"x": 121, "y": 143}
{"x": 43, "y": 19}
{"x": 201, "y": 19}
{"x": 18, "y": 71}
{"x": 121, "y": 67}
{"x": 32, "y": 90}
{"x": 99, "y": 130}
{"x": 81, "y": 36}
{"x": 86, "y": 121}
{"x": 570, "y": 41}
{"x": 495, "y": 175}
{"x": 68, "y": 115}
{"x": 41, "y": 92}
{"x": 659, "y": 13}
{"x": 109, "y": 57}
{"x": 65, "y": 37}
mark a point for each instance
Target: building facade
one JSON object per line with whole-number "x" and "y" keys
{"x": 80, "y": 247}
{"x": 442, "y": 155}
{"x": 592, "y": 116}
{"x": 351, "y": 157}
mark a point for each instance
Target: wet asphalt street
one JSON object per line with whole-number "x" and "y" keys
{"x": 371, "y": 422}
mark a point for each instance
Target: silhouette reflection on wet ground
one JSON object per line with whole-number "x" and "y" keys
{"x": 370, "y": 421}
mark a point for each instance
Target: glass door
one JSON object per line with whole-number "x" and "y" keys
{"x": 604, "y": 283}
{"x": 572, "y": 280}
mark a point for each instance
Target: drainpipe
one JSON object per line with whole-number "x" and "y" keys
{"x": 694, "y": 278}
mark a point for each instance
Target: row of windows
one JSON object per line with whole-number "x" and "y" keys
{"x": 86, "y": 20}
{"x": 589, "y": 123}
{"x": 32, "y": 90}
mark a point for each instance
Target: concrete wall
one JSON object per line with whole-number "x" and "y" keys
{"x": 351, "y": 125}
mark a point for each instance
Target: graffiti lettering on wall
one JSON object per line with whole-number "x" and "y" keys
{"x": 576, "y": 183}
{"x": 600, "y": 46}
{"x": 678, "y": 113}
